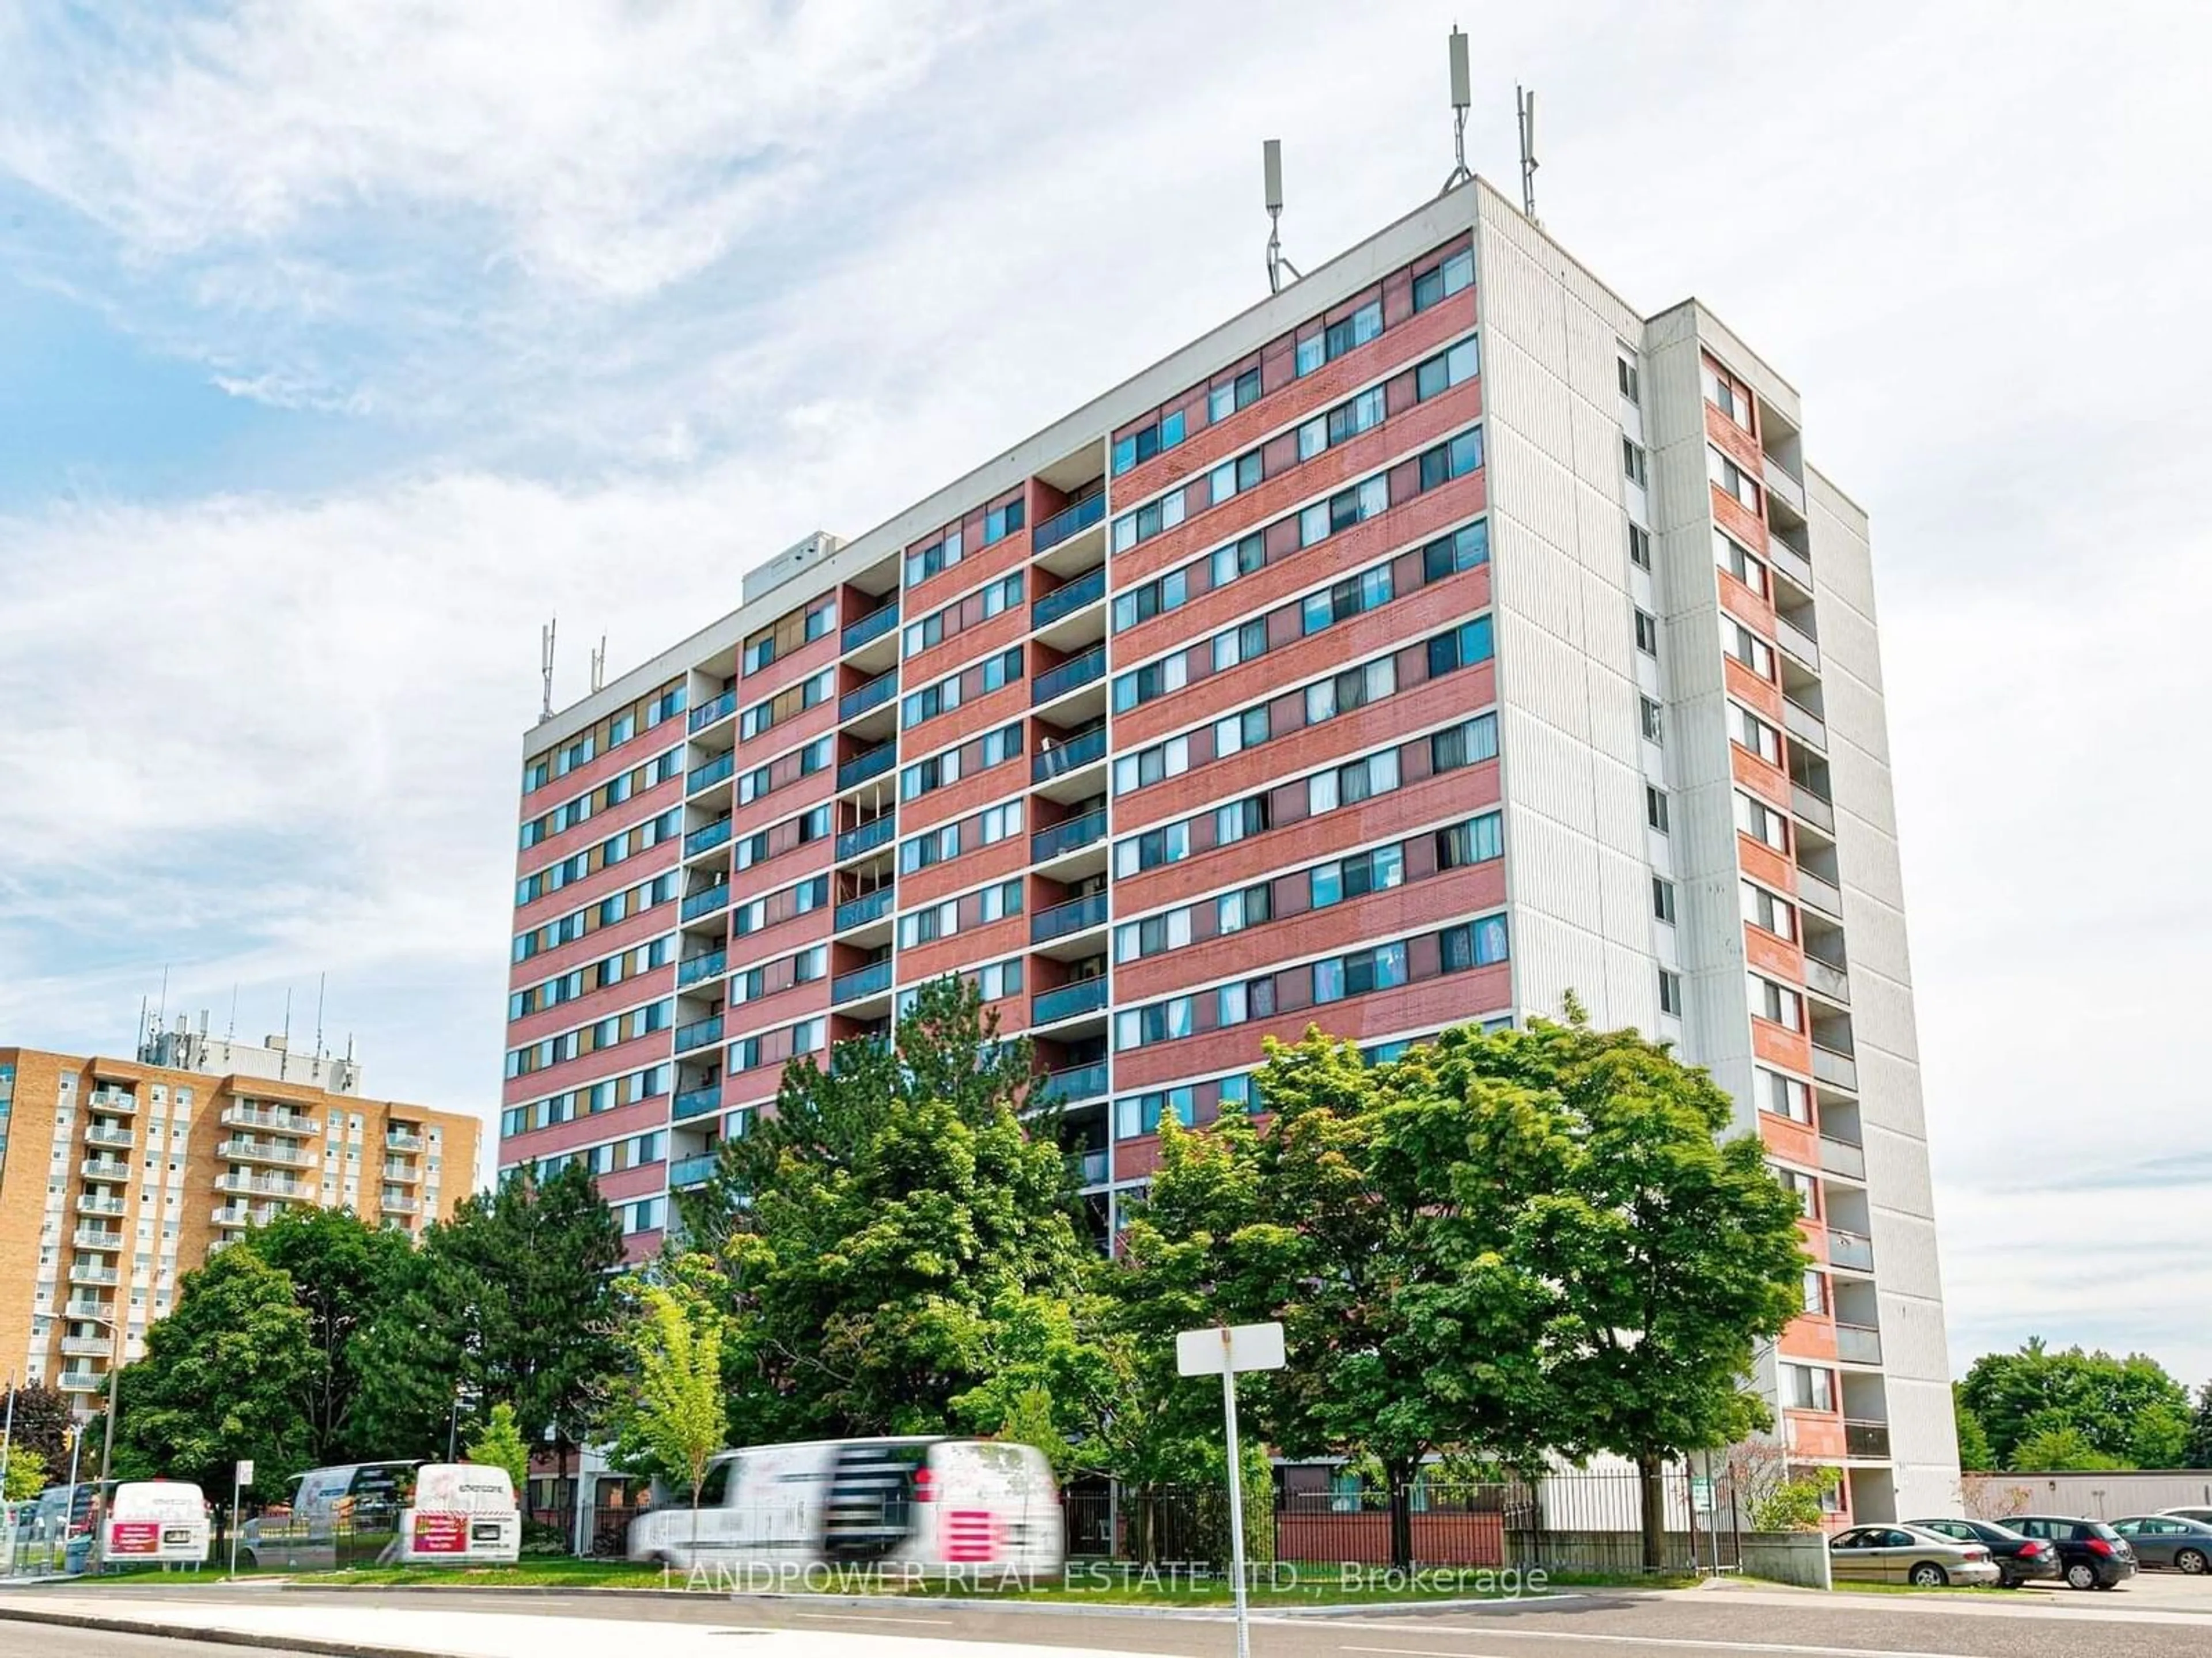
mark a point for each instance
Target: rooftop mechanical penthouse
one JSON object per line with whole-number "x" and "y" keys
{"x": 1437, "y": 637}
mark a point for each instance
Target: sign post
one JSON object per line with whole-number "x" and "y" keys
{"x": 1223, "y": 1350}
{"x": 241, "y": 1476}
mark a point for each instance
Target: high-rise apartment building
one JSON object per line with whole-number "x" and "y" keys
{"x": 119, "y": 1176}
{"x": 1437, "y": 637}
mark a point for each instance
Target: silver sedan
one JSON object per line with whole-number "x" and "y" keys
{"x": 1905, "y": 1554}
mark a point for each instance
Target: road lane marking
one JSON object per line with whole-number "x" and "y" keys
{"x": 866, "y": 1618}
{"x": 1690, "y": 1642}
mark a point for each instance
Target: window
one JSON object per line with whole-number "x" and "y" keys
{"x": 1141, "y": 1113}
{"x": 1815, "y": 1293}
{"x": 1805, "y": 1388}
{"x": 1238, "y": 732}
{"x": 1233, "y": 477}
{"x": 1473, "y": 944}
{"x": 996, "y": 903}
{"x": 1355, "y": 877}
{"x": 1762, "y": 822}
{"x": 1748, "y": 731}
{"x": 930, "y": 702}
{"x": 1726, "y": 394}
{"x": 1161, "y": 1021}
{"x": 1747, "y": 646}
{"x": 1000, "y": 822}
{"x": 1240, "y": 557}
{"x": 1152, "y": 519}
{"x": 1464, "y": 744}
{"x": 1140, "y": 447}
{"x": 788, "y": 634}
{"x": 1329, "y": 343}
{"x": 1382, "y": 968}
{"x": 1663, "y": 898}
{"x": 1463, "y": 550}
{"x": 1152, "y": 936}
{"x": 1343, "y": 509}
{"x": 1439, "y": 282}
{"x": 1341, "y": 600}
{"x": 1355, "y": 688}
{"x": 934, "y": 559}
{"x": 1649, "y": 718}
{"x": 1226, "y": 396}
{"x": 1740, "y": 563}
{"x": 933, "y": 846}
{"x": 1766, "y": 911}
{"x": 1462, "y": 647}
{"x": 1239, "y": 818}
{"x": 1152, "y": 765}
{"x": 1639, "y": 546}
{"x": 1778, "y": 1004}
{"x": 1784, "y": 1096}
{"x": 1647, "y": 634}
{"x": 1240, "y": 644}
{"x": 1253, "y": 999}
{"x": 1234, "y": 911}
{"x": 1154, "y": 679}
{"x": 1001, "y": 745}
{"x": 1442, "y": 372}
{"x": 1670, "y": 992}
{"x": 1453, "y": 458}
{"x": 1475, "y": 841}
{"x": 1348, "y": 784}
{"x": 934, "y": 772}
{"x": 1154, "y": 599}
{"x": 1731, "y": 480}
{"x": 1002, "y": 521}
{"x": 1633, "y": 462}
{"x": 1169, "y": 844}
{"x": 1625, "y": 368}
{"x": 1654, "y": 807}
{"x": 1000, "y": 980}
{"x": 1803, "y": 1188}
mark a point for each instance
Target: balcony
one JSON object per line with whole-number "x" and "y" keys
{"x": 260, "y": 1116}
{"x": 1068, "y": 523}
{"x": 1071, "y": 675}
{"x": 691, "y": 1171}
{"x": 1827, "y": 980}
{"x": 859, "y": 912}
{"x": 1804, "y": 725}
{"x": 1069, "y": 1001}
{"x": 1791, "y": 563}
{"x": 1080, "y": 916}
{"x": 706, "y": 838}
{"x": 712, "y": 773}
{"x": 696, "y": 1102}
{"x": 870, "y": 981}
{"x": 1787, "y": 488}
{"x": 1071, "y": 756}
{"x": 707, "y": 901}
{"x": 75, "y": 1307}
{"x": 402, "y": 1140}
{"x": 262, "y": 1185}
{"x": 97, "y": 1237}
{"x": 1859, "y": 1344}
{"x": 403, "y": 1174}
{"x": 707, "y": 713}
{"x": 1867, "y": 1439}
{"x": 1072, "y": 835}
{"x": 1089, "y": 1168}
{"x": 249, "y": 1151}
{"x": 1837, "y": 1070}
{"x": 86, "y": 1346}
{"x": 699, "y": 1033}
{"x": 873, "y": 695}
{"x": 1821, "y": 894}
{"x": 97, "y": 1134}
{"x": 113, "y": 1099}
{"x": 874, "y": 625}
{"x": 1850, "y": 1251}
{"x": 1074, "y": 1084}
{"x": 89, "y": 1205}
{"x": 1812, "y": 808}
{"x": 1839, "y": 1157}
{"x": 866, "y": 837}
{"x": 398, "y": 1203}
{"x": 872, "y": 762}
{"x": 104, "y": 1168}
{"x": 693, "y": 969}
{"x": 1797, "y": 643}
{"x": 1069, "y": 598}
{"x": 231, "y": 1214}
{"x": 81, "y": 1381}
{"x": 85, "y": 1272}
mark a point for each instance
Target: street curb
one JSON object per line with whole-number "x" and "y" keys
{"x": 229, "y": 1637}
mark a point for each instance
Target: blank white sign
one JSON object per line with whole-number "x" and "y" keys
{"x": 1249, "y": 1347}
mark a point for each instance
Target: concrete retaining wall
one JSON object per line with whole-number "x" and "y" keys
{"x": 1789, "y": 1557}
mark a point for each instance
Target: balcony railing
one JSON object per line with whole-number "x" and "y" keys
{"x": 721, "y": 709}
{"x": 402, "y": 1140}
{"x": 1822, "y": 895}
{"x": 257, "y": 1116}
{"x": 1069, "y": 1001}
{"x": 1071, "y": 836}
{"x": 99, "y": 1134}
{"x": 85, "y": 1272}
{"x": 1074, "y": 1084}
{"x": 97, "y": 1237}
{"x": 1811, "y": 808}
{"x": 1804, "y": 725}
{"x": 874, "y": 625}
{"x": 1069, "y": 598}
{"x": 1838, "y": 1070}
{"x": 1068, "y": 523}
{"x": 1779, "y": 480}
{"x": 1839, "y": 1157}
{"x": 870, "y": 981}
{"x": 868, "y": 907}
{"x": 1079, "y": 916}
{"x": 261, "y": 1186}
{"x": 694, "y": 968}
{"x": 1089, "y": 1168}
{"x": 251, "y": 1151}
{"x": 706, "y": 902}
{"x": 1791, "y": 563}
{"x": 86, "y": 1346}
{"x": 698, "y": 1033}
{"x": 1833, "y": 982}
{"x": 706, "y": 838}
{"x": 866, "y": 837}
{"x": 696, "y": 1102}
{"x": 74, "y": 1308}
{"x": 876, "y": 692}
{"x": 403, "y": 1174}
{"x": 1798, "y": 643}
{"x": 82, "y": 1381}
{"x": 712, "y": 773}
{"x": 695, "y": 1170}
{"x": 874, "y": 763}
{"x": 398, "y": 1203}
{"x": 89, "y": 1205}
{"x": 1868, "y": 1439}
{"x": 104, "y": 1168}
{"x": 113, "y": 1099}
{"x": 1068, "y": 676}
{"x": 1849, "y": 1250}
{"x": 1077, "y": 752}
{"x": 1859, "y": 1344}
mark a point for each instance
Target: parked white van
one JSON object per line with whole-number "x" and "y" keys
{"x": 155, "y": 1521}
{"x": 464, "y": 1514}
{"x": 922, "y": 1504}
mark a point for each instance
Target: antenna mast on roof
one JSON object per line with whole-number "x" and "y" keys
{"x": 1461, "y": 97}
{"x": 1524, "y": 108}
{"x": 599, "y": 665}
{"x": 1271, "y": 168}
{"x": 546, "y": 663}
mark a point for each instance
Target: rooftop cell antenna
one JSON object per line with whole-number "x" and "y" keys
{"x": 599, "y": 665}
{"x": 545, "y": 635}
{"x": 1524, "y": 105}
{"x": 1461, "y": 96}
{"x": 1271, "y": 169}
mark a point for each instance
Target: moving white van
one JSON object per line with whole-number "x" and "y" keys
{"x": 155, "y": 1522}
{"x": 984, "y": 1507}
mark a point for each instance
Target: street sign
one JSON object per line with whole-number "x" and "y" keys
{"x": 1218, "y": 1348}
{"x": 245, "y": 1476}
{"x": 1701, "y": 1493}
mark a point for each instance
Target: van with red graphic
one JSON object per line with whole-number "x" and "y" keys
{"x": 863, "y": 1507}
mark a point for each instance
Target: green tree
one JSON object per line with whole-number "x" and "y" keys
{"x": 674, "y": 1415}
{"x": 222, "y": 1380}
{"x": 2159, "y": 1436}
{"x": 499, "y": 1444}
{"x": 344, "y": 1272}
{"x": 2197, "y": 1452}
{"x": 1798, "y": 1503}
{"x": 2102, "y": 1399}
{"x": 904, "y": 1201}
{"x": 27, "y": 1475}
{"x": 513, "y": 1301}
{"x": 2060, "y": 1449}
{"x": 39, "y": 1420}
{"x": 1974, "y": 1452}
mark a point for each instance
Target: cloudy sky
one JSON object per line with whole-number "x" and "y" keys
{"x": 341, "y": 344}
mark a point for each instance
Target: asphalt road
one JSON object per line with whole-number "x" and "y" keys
{"x": 1721, "y": 1623}
{"x": 53, "y": 1642}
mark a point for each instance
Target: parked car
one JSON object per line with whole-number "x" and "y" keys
{"x": 2205, "y": 1515}
{"x": 2020, "y": 1559}
{"x": 2091, "y": 1554}
{"x": 2169, "y": 1540}
{"x": 1906, "y": 1554}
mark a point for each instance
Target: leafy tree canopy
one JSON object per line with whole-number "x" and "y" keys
{"x": 39, "y": 1420}
{"x": 2127, "y": 1410}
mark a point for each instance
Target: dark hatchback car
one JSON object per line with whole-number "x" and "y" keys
{"x": 2020, "y": 1559}
{"x": 2091, "y": 1554}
